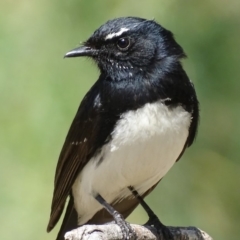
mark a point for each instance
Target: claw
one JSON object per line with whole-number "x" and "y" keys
{"x": 161, "y": 228}
{"x": 127, "y": 231}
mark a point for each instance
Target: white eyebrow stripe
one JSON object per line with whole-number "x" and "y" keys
{"x": 116, "y": 34}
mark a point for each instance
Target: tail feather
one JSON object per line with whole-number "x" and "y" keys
{"x": 70, "y": 220}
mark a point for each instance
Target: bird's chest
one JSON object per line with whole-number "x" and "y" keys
{"x": 145, "y": 144}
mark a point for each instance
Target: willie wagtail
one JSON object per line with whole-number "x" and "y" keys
{"x": 131, "y": 127}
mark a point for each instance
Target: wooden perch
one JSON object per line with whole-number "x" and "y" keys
{"x": 113, "y": 232}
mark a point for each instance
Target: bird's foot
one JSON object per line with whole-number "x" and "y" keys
{"x": 127, "y": 231}
{"x": 161, "y": 228}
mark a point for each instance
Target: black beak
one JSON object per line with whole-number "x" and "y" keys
{"x": 81, "y": 51}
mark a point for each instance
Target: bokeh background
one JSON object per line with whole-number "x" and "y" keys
{"x": 40, "y": 93}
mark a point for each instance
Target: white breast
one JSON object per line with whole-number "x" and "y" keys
{"x": 144, "y": 146}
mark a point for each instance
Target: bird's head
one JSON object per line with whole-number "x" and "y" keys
{"x": 126, "y": 46}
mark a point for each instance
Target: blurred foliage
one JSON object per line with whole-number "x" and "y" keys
{"x": 40, "y": 93}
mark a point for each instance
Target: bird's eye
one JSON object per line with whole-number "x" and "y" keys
{"x": 123, "y": 43}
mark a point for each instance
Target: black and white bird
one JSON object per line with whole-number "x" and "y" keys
{"x": 131, "y": 127}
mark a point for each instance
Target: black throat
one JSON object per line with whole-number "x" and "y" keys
{"x": 166, "y": 81}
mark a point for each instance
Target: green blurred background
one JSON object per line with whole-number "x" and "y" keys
{"x": 40, "y": 93}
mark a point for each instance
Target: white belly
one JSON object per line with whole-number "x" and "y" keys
{"x": 144, "y": 146}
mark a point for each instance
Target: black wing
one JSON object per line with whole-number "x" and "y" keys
{"x": 88, "y": 132}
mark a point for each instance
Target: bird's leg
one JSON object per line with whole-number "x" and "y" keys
{"x": 148, "y": 210}
{"x": 153, "y": 219}
{"x": 127, "y": 231}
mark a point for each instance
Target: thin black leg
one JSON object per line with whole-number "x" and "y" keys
{"x": 153, "y": 219}
{"x": 126, "y": 229}
{"x": 148, "y": 210}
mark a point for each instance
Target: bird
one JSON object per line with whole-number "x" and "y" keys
{"x": 133, "y": 124}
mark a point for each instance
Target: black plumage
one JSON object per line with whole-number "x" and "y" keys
{"x": 139, "y": 63}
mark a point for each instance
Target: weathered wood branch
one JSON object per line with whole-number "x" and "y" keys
{"x": 113, "y": 232}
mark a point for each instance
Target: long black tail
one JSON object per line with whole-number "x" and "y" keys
{"x": 70, "y": 220}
